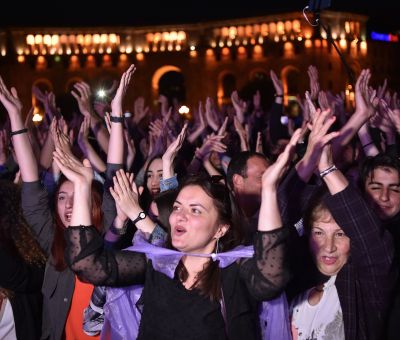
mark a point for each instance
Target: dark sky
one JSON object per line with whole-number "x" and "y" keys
{"x": 383, "y": 13}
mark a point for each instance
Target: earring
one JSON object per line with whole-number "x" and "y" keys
{"x": 217, "y": 246}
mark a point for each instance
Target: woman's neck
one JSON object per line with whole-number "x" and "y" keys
{"x": 194, "y": 265}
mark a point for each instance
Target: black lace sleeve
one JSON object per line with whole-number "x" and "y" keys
{"x": 86, "y": 255}
{"x": 266, "y": 273}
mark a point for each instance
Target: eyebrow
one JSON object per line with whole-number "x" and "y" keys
{"x": 193, "y": 205}
{"x": 372, "y": 182}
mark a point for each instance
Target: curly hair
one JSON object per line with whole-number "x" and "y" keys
{"x": 15, "y": 234}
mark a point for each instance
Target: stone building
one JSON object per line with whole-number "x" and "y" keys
{"x": 192, "y": 61}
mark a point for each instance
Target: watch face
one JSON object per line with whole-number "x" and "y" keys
{"x": 142, "y": 215}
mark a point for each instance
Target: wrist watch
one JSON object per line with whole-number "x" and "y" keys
{"x": 142, "y": 215}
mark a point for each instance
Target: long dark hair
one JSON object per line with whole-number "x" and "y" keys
{"x": 146, "y": 197}
{"x": 208, "y": 281}
{"x": 15, "y": 234}
{"x": 59, "y": 243}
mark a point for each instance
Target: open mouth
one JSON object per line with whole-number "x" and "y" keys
{"x": 178, "y": 230}
{"x": 68, "y": 216}
{"x": 329, "y": 260}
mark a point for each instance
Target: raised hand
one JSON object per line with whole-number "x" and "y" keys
{"x": 140, "y": 111}
{"x": 277, "y": 83}
{"x": 310, "y": 105}
{"x": 212, "y": 143}
{"x": 10, "y": 99}
{"x": 314, "y": 82}
{"x": 275, "y": 172}
{"x": 244, "y": 142}
{"x": 239, "y": 105}
{"x": 83, "y": 98}
{"x": 125, "y": 194}
{"x": 211, "y": 114}
{"x": 48, "y": 100}
{"x": 171, "y": 152}
{"x": 83, "y": 134}
{"x": 77, "y": 172}
{"x": 317, "y": 139}
{"x": 222, "y": 129}
{"x": 116, "y": 104}
{"x": 366, "y": 99}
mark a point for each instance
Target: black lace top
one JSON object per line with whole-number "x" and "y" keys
{"x": 171, "y": 311}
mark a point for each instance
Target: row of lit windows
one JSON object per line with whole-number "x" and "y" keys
{"x": 257, "y": 51}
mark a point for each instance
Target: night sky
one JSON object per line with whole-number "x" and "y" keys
{"x": 383, "y": 13}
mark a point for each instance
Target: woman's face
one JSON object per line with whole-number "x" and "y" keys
{"x": 65, "y": 202}
{"x": 194, "y": 221}
{"x": 154, "y": 174}
{"x": 329, "y": 245}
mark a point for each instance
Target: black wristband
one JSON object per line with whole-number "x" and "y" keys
{"x": 115, "y": 119}
{"x": 13, "y": 133}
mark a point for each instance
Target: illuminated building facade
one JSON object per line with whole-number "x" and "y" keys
{"x": 211, "y": 58}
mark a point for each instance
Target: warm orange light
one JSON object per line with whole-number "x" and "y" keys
{"x": 317, "y": 43}
{"x": 209, "y": 52}
{"x": 257, "y": 49}
{"x": 288, "y": 26}
{"x": 280, "y": 27}
{"x": 30, "y": 39}
{"x": 123, "y": 57}
{"x": 241, "y": 50}
{"x": 193, "y": 54}
{"x": 264, "y": 29}
{"x": 272, "y": 27}
{"x": 47, "y": 39}
{"x": 225, "y": 51}
{"x": 21, "y": 58}
{"x": 308, "y": 43}
{"x": 296, "y": 26}
{"x": 140, "y": 57}
{"x": 38, "y": 39}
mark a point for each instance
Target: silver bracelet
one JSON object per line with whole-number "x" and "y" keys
{"x": 328, "y": 171}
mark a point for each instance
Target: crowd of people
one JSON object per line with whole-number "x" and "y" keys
{"x": 232, "y": 225}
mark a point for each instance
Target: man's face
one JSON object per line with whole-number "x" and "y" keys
{"x": 383, "y": 191}
{"x": 251, "y": 186}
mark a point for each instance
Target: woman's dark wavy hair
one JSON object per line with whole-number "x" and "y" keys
{"x": 59, "y": 243}
{"x": 209, "y": 279}
{"x": 15, "y": 234}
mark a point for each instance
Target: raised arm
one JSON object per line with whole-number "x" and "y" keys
{"x": 22, "y": 146}
{"x": 83, "y": 98}
{"x": 169, "y": 155}
{"x": 266, "y": 274}
{"x": 115, "y": 153}
{"x": 85, "y": 252}
{"x": 87, "y": 148}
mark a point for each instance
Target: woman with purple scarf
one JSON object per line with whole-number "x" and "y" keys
{"x": 204, "y": 285}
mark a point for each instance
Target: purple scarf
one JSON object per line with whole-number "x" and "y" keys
{"x": 122, "y": 318}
